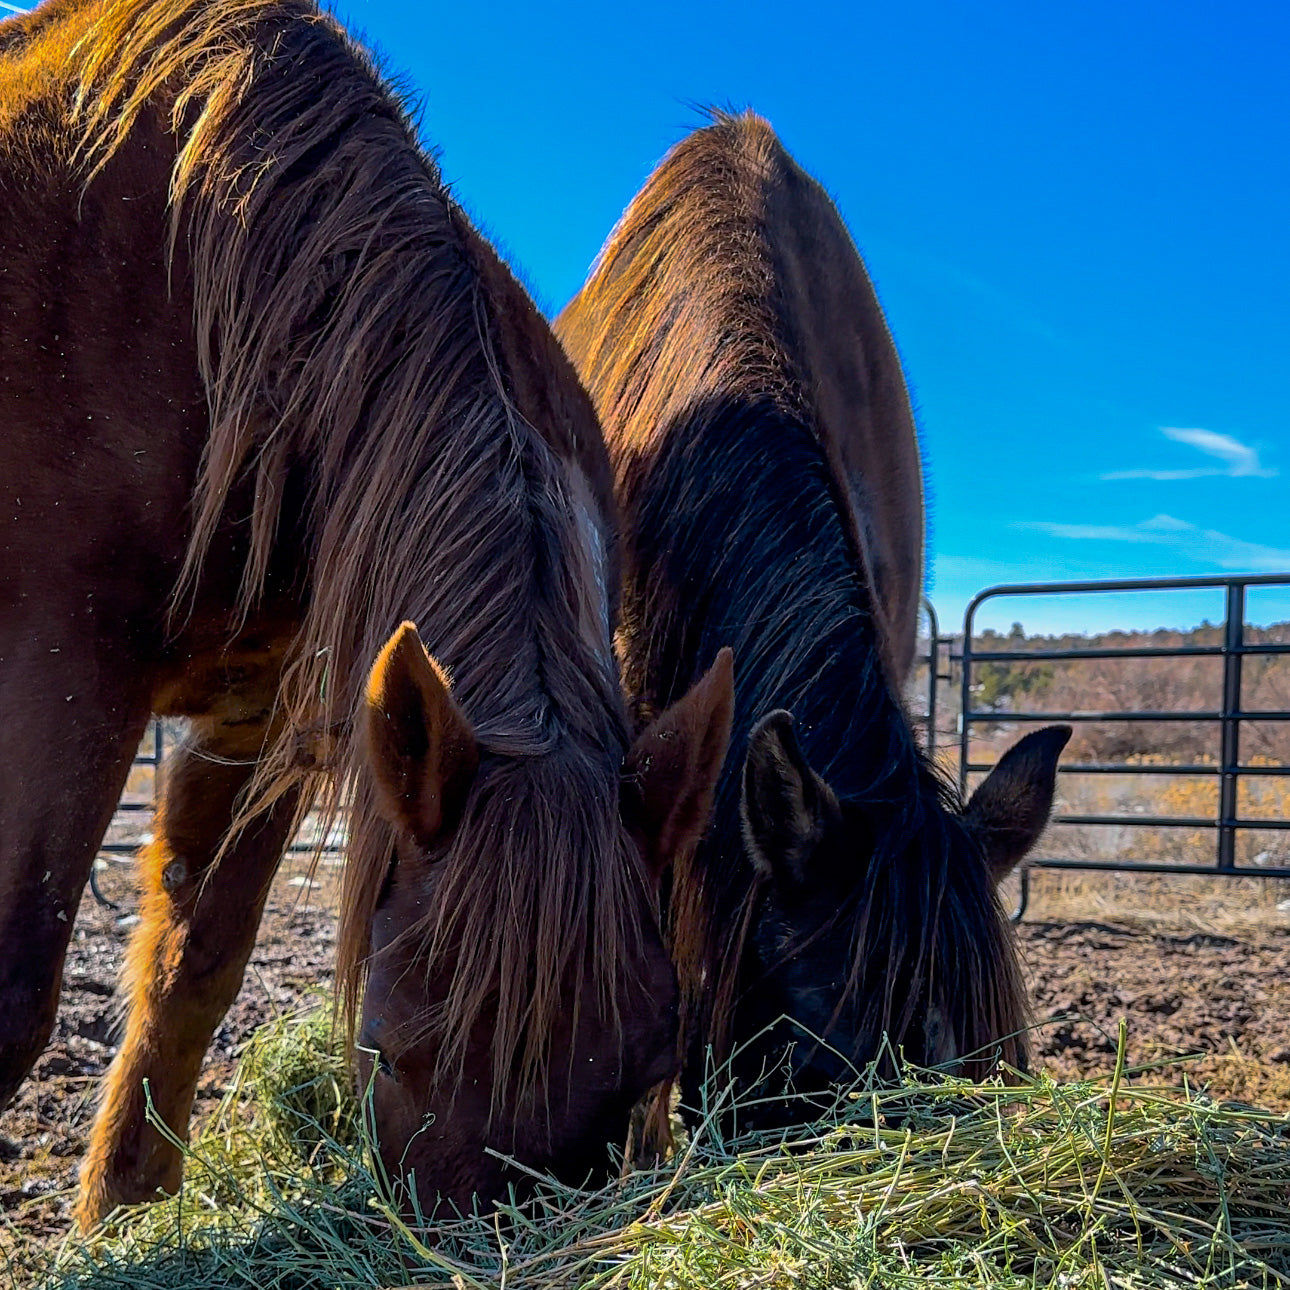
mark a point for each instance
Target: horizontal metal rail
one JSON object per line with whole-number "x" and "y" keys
{"x": 1129, "y": 651}
{"x": 1136, "y": 768}
{"x": 1133, "y": 866}
{"x": 1174, "y": 821}
{"x": 1003, "y": 718}
{"x": 1161, "y": 866}
{"x": 1026, "y": 655}
{"x": 1201, "y": 583}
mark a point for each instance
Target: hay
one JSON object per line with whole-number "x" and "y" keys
{"x": 1095, "y": 1183}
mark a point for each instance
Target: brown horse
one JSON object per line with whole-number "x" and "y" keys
{"x": 266, "y": 395}
{"x": 768, "y": 475}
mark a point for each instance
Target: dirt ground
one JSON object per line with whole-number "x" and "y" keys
{"x": 1192, "y": 975}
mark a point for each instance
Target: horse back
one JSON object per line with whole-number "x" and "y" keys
{"x": 732, "y": 280}
{"x": 851, "y": 374}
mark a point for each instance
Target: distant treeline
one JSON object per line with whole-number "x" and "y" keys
{"x": 1184, "y": 684}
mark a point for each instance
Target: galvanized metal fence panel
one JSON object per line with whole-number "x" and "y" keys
{"x": 1227, "y": 715}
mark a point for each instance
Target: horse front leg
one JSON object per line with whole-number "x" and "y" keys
{"x": 198, "y": 921}
{"x": 65, "y": 751}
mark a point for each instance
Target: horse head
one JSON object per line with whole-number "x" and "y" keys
{"x": 873, "y": 920}
{"x": 451, "y": 1116}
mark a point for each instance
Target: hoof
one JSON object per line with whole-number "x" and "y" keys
{"x": 104, "y": 1189}
{"x": 94, "y": 1203}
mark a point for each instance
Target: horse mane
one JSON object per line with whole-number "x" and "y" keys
{"x": 362, "y": 346}
{"x": 740, "y": 532}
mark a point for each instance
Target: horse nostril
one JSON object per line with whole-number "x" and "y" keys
{"x": 383, "y": 1064}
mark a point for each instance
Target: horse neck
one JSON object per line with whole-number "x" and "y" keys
{"x": 734, "y": 538}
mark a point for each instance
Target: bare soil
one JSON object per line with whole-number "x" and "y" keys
{"x": 1183, "y": 993}
{"x": 1184, "y": 987}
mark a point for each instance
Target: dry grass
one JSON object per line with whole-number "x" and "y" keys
{"x": 1197, "y": 902}
{"x": 1083, "y": 1184}
{"x": 1179, "y": 902}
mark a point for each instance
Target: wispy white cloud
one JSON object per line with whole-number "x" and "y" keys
{"x": 1093, "y": 532}
{"x": 1232, "y": 457}
{"x": 1206, "y": 546}
{"x": 1239, "y": 458}
{"x": 1166, "y": 524}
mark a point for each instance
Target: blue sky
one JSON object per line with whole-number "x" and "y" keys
{"x": 1077, "y": 218}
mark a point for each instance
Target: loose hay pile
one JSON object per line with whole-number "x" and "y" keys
{"x": 1092, "y": 1183}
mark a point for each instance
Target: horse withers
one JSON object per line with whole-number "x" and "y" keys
{"x": 266, "y": 396}
{"x": 768, "y": 474}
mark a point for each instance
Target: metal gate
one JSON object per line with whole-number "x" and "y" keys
{"x": 1227, "y": 716}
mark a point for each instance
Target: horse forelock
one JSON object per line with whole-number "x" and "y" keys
{"x": 678, "y": 334}
{"x": 350, "y": 333}
{"x": 534, "y": 961}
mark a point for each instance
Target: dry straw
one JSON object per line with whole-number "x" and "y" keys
{"x": 1100, "y": 1183}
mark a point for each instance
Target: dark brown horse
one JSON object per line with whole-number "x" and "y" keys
{"x": 768, "y": 476}
{"x": 265, "y": 396}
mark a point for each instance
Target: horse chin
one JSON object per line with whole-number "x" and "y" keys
{"x": 940, "y": 1046}
{"x": 455, "y": 1157}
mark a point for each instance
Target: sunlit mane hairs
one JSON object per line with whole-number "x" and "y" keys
{"x": 344, "y": 318}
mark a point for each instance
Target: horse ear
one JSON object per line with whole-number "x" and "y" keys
{"x": 1010, "y": 808}
{"x": 672, "y": 769}
{"x": 420, "y": 746}
{"x": 786, "y": 807}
